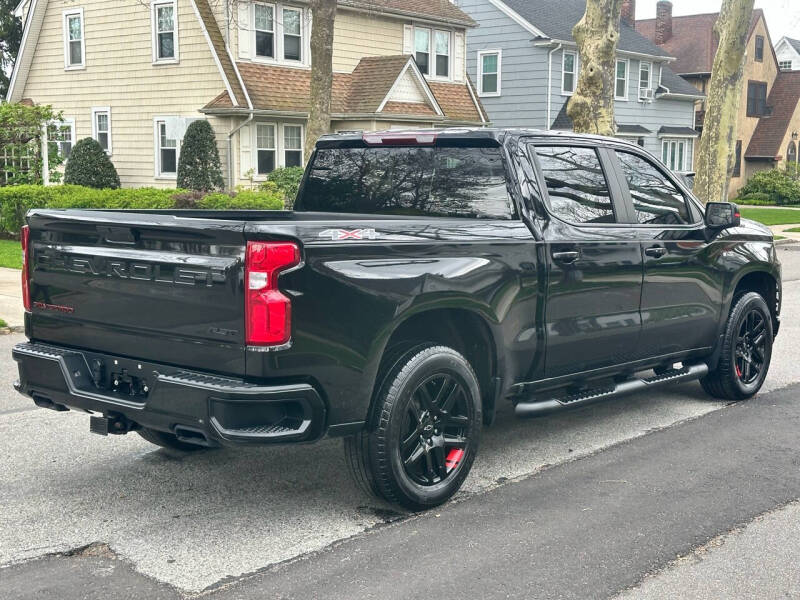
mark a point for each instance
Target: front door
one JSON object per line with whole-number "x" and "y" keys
{"x": 681, "y": 295}
{"x": 594, "y": 263}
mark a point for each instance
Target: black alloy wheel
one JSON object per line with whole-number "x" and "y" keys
{"x": 751, "y": 347}
{"x": 424, "y": 429}
{"x": 435, "y": 438}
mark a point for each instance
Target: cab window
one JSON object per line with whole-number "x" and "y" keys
{"x": 576, "y": 184}
{"x": 656, "y": 200}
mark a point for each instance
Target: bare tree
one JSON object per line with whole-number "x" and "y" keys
{"x": 716, "y": 152}
{"x": 323, "y": 14}
{"x": 591, "y": 107}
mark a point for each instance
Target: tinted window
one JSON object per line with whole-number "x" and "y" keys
{"x": 576, "y": 184}
{"x": 655, "y": 199}
{"x": 456, "y": 182}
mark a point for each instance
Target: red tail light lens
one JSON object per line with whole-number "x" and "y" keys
{"x": 25, "y": 238}
{"x": 268, "y": 313}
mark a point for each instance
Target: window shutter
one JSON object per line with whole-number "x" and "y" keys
{"x": 245, "y": 149}
{"x": 243, "y": 30}
{"x": 408, "y": 39}
{"x": 458, "y": 56}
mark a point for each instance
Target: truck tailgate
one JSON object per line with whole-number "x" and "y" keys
{"x": 167, "y": 288}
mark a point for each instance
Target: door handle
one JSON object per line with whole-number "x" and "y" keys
{"x": 569, "y": 256}
{"x": 656, "y": 251}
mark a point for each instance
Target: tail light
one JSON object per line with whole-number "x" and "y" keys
{"x": 25, "y": 238}
{"x": 268, "y": 313}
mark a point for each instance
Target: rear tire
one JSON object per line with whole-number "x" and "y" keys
{"x": 746, "y": 351}
{"x": 167, "y": 440}
{"x": 423, "y": 435}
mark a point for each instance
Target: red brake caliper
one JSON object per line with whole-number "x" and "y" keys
{"x": 738, "y": 371}
{"x": 453, "y": 458}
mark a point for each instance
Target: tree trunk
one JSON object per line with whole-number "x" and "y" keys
{"x": 591, "y": 107}
{"x": 323, "y": 13}
{"x": 716, "y": 152}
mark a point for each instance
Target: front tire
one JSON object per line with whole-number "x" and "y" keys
{"x": 423, "y": 436}
{"x": 746, "y": 351}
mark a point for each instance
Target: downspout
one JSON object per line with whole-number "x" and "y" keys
{"x": 547, "y": 125}
{"x": 234, "y": 131}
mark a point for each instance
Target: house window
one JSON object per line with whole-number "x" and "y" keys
{"x": 265, "y": 148}
{"x": 489, "y": 73}
{"x": 101, "y": 127}
{"x": 442, "y": 50}
{"x": 167, "y": 148}
{"x": 292, "y": 145}
{"x": 645, "y": 80}
{"x": 265, "y": 30}
{"x": 165, "y": 32}
{"x": 74, "y": 49}
{"x": 569, "y": 68}
{"x": 422, "y": 44}
{"x": 785, "y": 65}
{"x": 737, "y": 160}
{"x": 675, "y": 152}
{"x": 759, "y": 48}
{"x": 292, "y": 34}
{"x": 756, "y": 99}
{"x": 621, "y": 83}
{"x": 791, "y": 153}
{"x": 62, "y": 133}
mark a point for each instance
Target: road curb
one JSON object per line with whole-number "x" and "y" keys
{"x": 10, "y": 330}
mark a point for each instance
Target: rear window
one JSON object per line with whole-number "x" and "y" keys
{"x": 414, "y": 181}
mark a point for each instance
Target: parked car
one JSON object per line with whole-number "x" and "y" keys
{"x": 422, "y": 279}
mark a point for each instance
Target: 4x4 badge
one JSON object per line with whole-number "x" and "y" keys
{"x": 349, "y": 234}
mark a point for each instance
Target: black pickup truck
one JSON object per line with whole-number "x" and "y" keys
{"x": 422, "y": 279}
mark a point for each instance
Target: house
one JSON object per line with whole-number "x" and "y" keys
{"x": 134, "y": 74}
{"x": 525, "y": 65}
{"x": 788, "y": 52}
{"x": 767, "y": 119}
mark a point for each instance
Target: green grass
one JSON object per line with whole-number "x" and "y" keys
{"x": 794, "y": 230}
{"x": 10, "y": 254}
{"x": 3, "y": 323}
{"x": 772, "y": 216}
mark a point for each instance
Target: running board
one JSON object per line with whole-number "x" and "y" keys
{"x": 539, "y": 408}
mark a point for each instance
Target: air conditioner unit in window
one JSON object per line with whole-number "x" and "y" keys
{"x": 647, "y": 94}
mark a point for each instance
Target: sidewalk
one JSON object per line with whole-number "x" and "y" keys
{"x": 782, "y": 231}
{"x": 11, "y": 310}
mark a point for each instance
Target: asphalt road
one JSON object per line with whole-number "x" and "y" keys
{"x": 549, "y": 510}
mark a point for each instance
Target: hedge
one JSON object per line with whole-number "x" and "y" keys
{"x": 15, "y": 201}
{"x": 776, "y": 186}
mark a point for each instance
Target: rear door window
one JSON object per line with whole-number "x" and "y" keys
{"x": 656, "y": 200}
{"x": 576, "y": 184}
{"x": 415, "y": 181}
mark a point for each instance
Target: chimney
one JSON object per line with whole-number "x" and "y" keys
{"x": 663, "y": 21}
{"x": 628, "y": 14}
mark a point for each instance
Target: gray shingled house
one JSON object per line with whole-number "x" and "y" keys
{"x": 525, "y": 66}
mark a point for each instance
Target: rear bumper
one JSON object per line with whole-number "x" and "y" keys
{"x": 198, "y": 407}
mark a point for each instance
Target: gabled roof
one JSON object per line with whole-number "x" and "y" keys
{"x": 794, "y": 44}
{"x": 556, "y": 18}
{"x": 673, "y": 84}
{"x": 770, "y": 132}
{"x": 693, "y": 42}
{"x": 443, "y": 11}
{"x": 368, "y": 90}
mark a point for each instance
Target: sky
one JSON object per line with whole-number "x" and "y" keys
{"x": 783, "y": 16}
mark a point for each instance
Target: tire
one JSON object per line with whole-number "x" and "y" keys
{"x": 746, "y": 351}
{"x": 423, "y": 433}
{"x": 167, "y": 440}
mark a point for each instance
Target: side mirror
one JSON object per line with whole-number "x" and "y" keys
{"x": 722, "y": 215}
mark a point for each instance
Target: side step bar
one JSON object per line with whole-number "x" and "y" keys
{"x": 538, "y": 408}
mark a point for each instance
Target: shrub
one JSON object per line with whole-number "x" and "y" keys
{"x": 17, "y": 200}
{"x": 20, "y": 141}
{"x": 287, "y": 180}
{"x": 776, "y": 185}
{"x": 89, "y": 166}
{"x": 199, "y": 167}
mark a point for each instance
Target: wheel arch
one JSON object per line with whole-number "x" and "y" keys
{"x": 468, "y": 331}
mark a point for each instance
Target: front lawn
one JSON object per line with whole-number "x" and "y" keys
{"x": 771, "y": 216}
{"x": 10, "y": 254}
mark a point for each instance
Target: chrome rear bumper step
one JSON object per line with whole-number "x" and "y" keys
{"x": 538, "y": 408}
